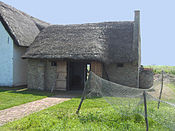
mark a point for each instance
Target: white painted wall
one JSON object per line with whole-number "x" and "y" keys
{"x": 19, "y": 66}
{"x": 6, "y": 58}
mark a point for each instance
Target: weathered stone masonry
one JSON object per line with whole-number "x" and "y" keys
{"x": 41, "y": 75}
{"x": 126, "y": 75}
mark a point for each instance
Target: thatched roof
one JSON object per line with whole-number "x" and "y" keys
{"x": 106, "y": 42}
{"x": 22, "y": 28}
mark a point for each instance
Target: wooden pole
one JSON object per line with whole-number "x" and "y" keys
{"x": 145, "y": 105}
{"x": 84, "y": 93}
{"x": 82, "y": 99}
{"x": 160, "y": 91}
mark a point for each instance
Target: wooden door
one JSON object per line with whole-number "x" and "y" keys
{"x": 96, "y": 67}
{"x": 76, "y": 75}
{"x": 61, "y": 75}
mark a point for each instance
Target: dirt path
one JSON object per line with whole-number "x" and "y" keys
{"x": 20, "y": 111}
{"x": 167, "y": 92}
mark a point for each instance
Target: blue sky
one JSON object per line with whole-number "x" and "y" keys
{"x": 157, "y": 20}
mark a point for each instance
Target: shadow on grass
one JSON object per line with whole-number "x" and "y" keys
{"x": 24, "y": 90}
{"x": 57, "y": 93}
{"x": 111, "y": 120}
{"x": 5, "y": 88}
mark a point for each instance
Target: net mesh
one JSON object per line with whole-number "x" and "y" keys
{"x": 128, "y": 101}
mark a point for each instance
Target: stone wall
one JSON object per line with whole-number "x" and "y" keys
{"x": 126, "y": 75}
{"x": 19, "y": 66}
{"x": 146, "y": 78}
{"x": 41, "y": 75}
{"x": 50, "y": 76}
{"x": 35, "y": 75}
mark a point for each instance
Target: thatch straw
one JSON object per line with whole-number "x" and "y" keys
{"x": 106, "y": 42}
{"x": 22, "y": 28}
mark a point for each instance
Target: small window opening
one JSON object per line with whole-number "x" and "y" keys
{"x": 53, "y": 63}
{"x": 120, "y": 65}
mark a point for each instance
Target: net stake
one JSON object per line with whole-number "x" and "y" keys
{"x": 84, "y": 93}
{"x": 82, "y": 98}
{"x": 145, "y": 105}
{"x": 160, "y": 91}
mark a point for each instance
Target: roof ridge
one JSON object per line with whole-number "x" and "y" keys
{"x": 13, "y": 8}
{"x": 105, "y": 22}
{"x": 23, "y": 28}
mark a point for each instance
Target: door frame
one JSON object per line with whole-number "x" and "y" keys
{"x": 68, "y": 88}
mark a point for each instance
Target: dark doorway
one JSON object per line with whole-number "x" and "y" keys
{"x": 77, "y": 75}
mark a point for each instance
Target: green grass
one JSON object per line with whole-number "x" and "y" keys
{"x": 158, "y": 69}
{"x": 10, "y": 97}
{"x": 172, "y": 86}
{"x": 95, "y": 115}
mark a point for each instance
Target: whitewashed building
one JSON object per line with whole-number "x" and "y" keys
{"x": 17, "y": 31}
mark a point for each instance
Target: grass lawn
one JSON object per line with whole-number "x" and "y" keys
{"x": 95, "y": 114}
{"x": 172, "y": 86}
{"x": 10, "y": 97}
{"x": 158, "y": 69}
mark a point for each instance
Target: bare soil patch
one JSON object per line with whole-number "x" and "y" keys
{"x": 167, "y": 92}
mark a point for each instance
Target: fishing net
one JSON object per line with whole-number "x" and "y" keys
{"x": 128, "y": 101}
